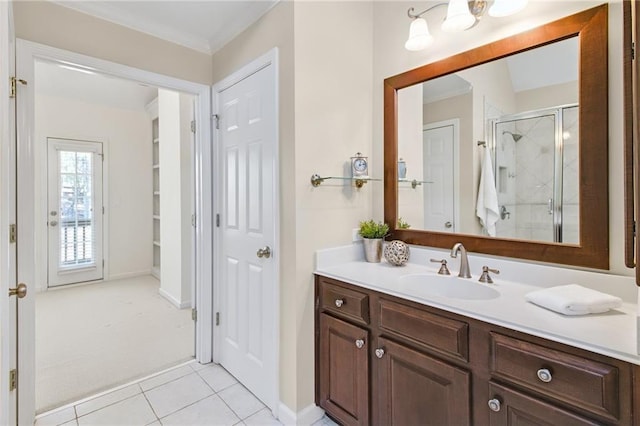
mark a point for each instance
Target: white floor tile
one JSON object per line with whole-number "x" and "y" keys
{"x": 73, "y": 422}
{"x": 177, "y": 394}
{"x": 241, "y": 401}
{"x": 197, "y": 366}
{"x": 156, "y": 423}
{"x": 57, "y": 418}
{"x": 209, "y": 411}
{"x": 130, "y": 412}
{"x": 325, "y": 421}
{"x": 167, "y": 377}
{"x": 108, "y": 399}
{"x": 217, "y": 377}
{"x": 262, "y": 417}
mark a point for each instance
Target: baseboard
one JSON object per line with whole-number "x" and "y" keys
{"x": 113, "y": 277}
{"x": 307, "y": 416}
{"x": 175, "y": 302}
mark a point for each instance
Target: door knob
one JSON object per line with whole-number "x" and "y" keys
{"x": 53, "y": 213}
{"x": 448, "y": 224}
{"x": 494, "y": 404}
{"x": 20, "y": 291}
{"x": 264, "y": 252}
{"x": 379, "y": 352}
{"x": 53, "y": 222}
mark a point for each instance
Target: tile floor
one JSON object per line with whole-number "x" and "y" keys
{"x": 191, "y": 394}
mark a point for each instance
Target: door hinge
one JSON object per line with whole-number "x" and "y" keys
{"x": 13, "y": 233}
{"x": 103, "y": 263}
{"x": 13, "y": 380}
{"x": 193, "y": 126}
{"x": 194, "y": 314}
{"x": 217, "y": 318}
{"x": 193, "y": 220}
{"x": 217, "y": 118}
{"x": 13, "y": 82}
{"x": 217, "y": 220}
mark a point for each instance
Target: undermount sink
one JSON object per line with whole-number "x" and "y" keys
{"x": 446, "y": 286}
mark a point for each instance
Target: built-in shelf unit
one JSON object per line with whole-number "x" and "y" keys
{"x": 155, "y": 269}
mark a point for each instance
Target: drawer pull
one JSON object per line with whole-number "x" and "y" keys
{"x": 359, "y": 343}
{"x": 544, "y": 375}
{"x": 339, "y": 303}
{"x": 494, "y": 404}
{"x": 379, "y": 352}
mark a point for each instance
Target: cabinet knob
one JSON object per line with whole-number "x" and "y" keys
{"x": 544, "y": 375}
{"x": 379, "y": 352}
{"x": 359, "y": 343}
{"x": 494, "y": 404}
{"x": 339, "y": 303}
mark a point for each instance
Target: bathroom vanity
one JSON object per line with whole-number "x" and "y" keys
{"x": 390, "y": 353}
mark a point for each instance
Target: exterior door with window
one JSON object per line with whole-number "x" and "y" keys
{"x": 75, "y": 212}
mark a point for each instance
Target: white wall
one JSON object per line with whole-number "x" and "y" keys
{"x": 126, "y": 136}
{"x": 174, "y": 116}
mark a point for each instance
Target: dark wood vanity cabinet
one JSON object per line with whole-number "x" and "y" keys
{"x": 383, "y": 360}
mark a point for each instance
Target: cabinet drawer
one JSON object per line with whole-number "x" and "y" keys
{"x": 586, "y": 384}
{"x": 344, "y": 302}
{"x": 443, "y": 335}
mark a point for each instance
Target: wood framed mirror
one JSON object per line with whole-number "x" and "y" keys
{"x": 591, "y": 245}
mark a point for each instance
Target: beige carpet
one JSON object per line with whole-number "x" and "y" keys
{"x": 93, "y": 337}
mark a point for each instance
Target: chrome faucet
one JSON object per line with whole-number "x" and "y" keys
{"x": 464, "y": 260}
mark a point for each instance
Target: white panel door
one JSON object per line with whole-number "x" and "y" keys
{"x": 248, "y": 141}
{"x": 438, "y": 172}
{"x": 74, "y": 211}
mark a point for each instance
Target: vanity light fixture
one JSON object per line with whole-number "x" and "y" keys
{"x": 461, "y": 15}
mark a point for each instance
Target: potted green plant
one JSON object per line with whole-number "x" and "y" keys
{"x": 402, "y": 224}
{"x": 373, "y": 233}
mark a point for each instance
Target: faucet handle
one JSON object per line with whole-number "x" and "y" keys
{"x": 485, "y": 277}
{"x": 443, "y": 266}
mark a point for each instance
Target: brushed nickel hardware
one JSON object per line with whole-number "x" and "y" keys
{"x": 464, "y": 260}
{"x": 217, "y": 118}
{"x": 264, "y": 252}
{"x": 494, "y": 404}
{"x": 504, "y": 213}
{"x": 53, "y": 223}
{"x": 359, "y": 182}
{"x": 339, "y": 303}
{"x": 13, "y": 380}
{"x": 359, "y": 343}
{"x": 444, "y": 270}
{"x": 485, "y": 277}
{"x": 217, "y": 318}
{"x": 448, "y": 224}
{"x": 13, "y": 233}
{"x": 193, "y": 126}
{"x": 379, "y": 352}
{"x": 54, "y": 213}
{"x": 194, "y": 314}
{"x": 20, "y": 291}
{"x": 217, "y": 220}
{"x": 544, "y": 375}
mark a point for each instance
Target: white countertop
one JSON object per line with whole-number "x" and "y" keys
{"x": 613, "y": 333}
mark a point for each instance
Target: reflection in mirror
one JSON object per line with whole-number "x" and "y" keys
{"x": 494, "y": 99}
{"x": 524, "y": 108}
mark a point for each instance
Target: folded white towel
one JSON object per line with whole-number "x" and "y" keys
{"x": 573, "y": 299}
{"x": 487, "y": 203}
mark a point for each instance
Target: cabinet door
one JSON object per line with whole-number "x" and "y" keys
{"x": 344, "y": 371}
{"x": 512, "y": 408}
{"x": 415, "y": 388}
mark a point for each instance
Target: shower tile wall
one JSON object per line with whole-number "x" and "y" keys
{"x": 570, "y": 167}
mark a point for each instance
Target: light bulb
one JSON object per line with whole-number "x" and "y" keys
{"x": 459, "y": 18}
{"x": 419, "y": 37}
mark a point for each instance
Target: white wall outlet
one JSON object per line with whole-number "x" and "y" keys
{"x": 355, "y": 235}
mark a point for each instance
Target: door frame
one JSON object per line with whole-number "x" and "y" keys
{"x": 455, "y": 123}
{"x": 268, "y": 59}
{"x": 26, "y": 54}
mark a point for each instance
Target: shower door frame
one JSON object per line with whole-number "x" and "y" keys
{"x": 558, "y": 162}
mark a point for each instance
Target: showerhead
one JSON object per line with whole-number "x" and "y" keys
{"x": 516, "y": 136}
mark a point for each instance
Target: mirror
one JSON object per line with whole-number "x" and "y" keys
{"x": 535, "y": 106}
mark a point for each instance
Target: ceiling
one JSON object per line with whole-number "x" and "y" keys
{"x": 205, "y": 26}
{"x": 54, "y": 80}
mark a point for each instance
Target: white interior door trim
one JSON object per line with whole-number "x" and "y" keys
{"x": 27, "y": 53}
{"x": 269, "y": 58}
{"x": 455, "y": 123}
